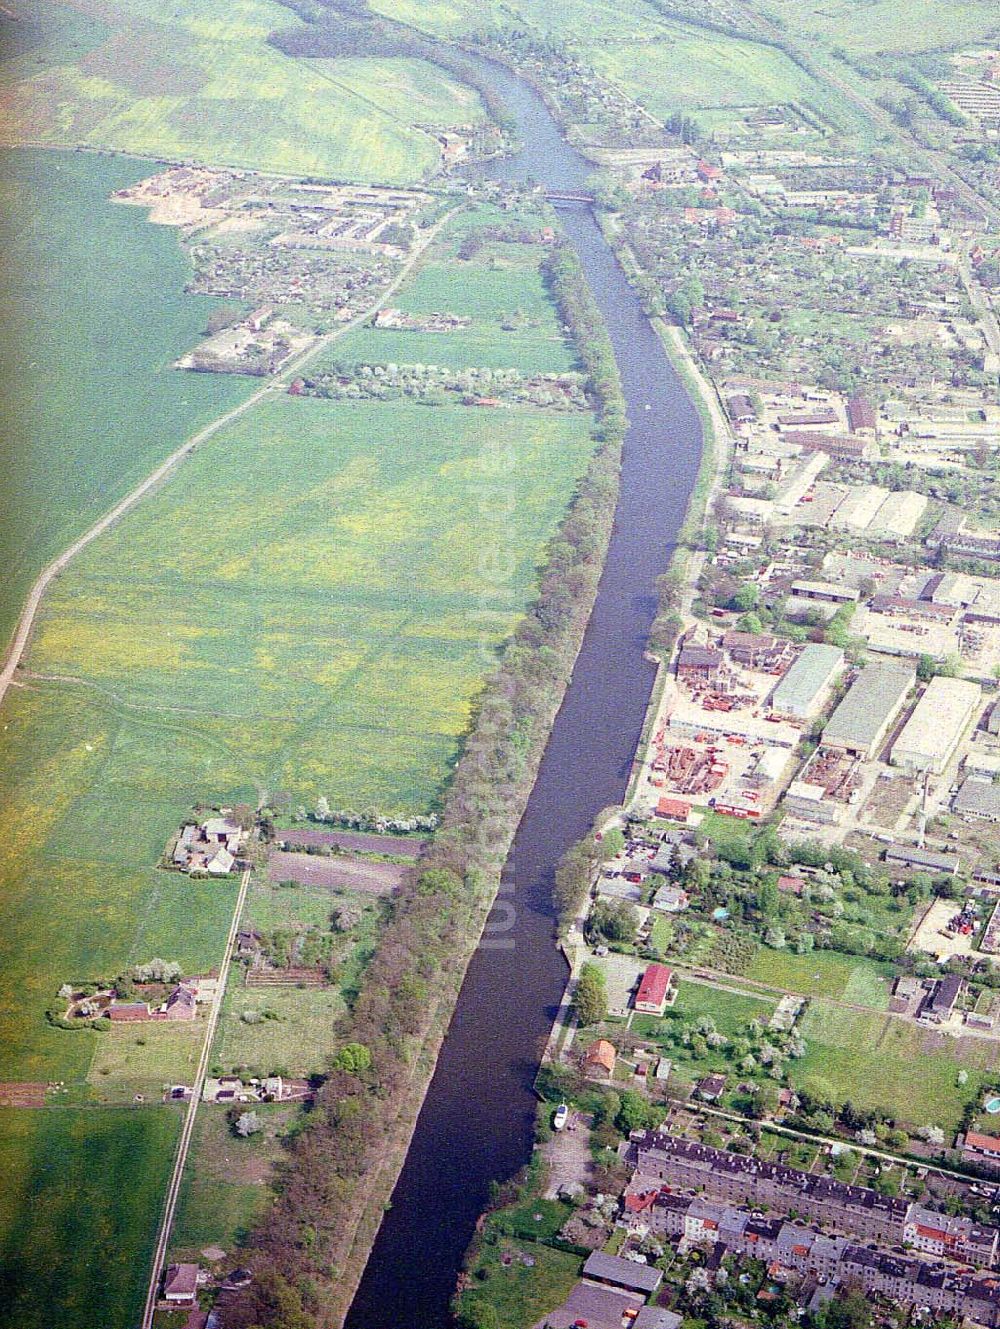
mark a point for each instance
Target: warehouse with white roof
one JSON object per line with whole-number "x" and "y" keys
{"x": 941, "y": 718}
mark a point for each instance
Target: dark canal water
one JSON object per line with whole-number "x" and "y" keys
{"x": 477, "y": 1121}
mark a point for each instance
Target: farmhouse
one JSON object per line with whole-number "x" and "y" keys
{"x": 126, "y": 1012}
{"x": 860, "y": 723}
{"x": 804, "y": 688}
{"x": 934, "y": 730}
{"x": 211, "y": 847}
{"x": 654, "y": 990}
{"x": 180, "y": 1284}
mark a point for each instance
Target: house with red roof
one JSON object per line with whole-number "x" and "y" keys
{"x": 654, "y": 990}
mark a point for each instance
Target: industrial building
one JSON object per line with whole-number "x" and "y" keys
{"x": 942, "y": 715}
{"x": 832, "y": 592}
{"x": 922, "y": 860}
{"x": 805, "y": 687}
{"x": 978, "y": 798}
{"x": 862, "y": 720}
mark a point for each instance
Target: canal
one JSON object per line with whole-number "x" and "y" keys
{"x": 477, "y": 1122}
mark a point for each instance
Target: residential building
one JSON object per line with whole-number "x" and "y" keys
{"x": 953, "y": 1238}
{"x": 599, "y": 1059}
{"x": 737, "y": 1179}
{"x": 654, "y": 990}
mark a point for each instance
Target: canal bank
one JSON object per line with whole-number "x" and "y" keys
{"x": 477, "y": 1122}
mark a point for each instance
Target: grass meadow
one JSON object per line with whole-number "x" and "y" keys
{"x": 875, "y": 1061}
{"x": 88, "y": 795}
{"x": 224, "y": 1187}
{"x": 82, "y": 1191}
{"x": 193, "y": 81}
{"x": 94, "y": 316}
{"x": 313, "y": 590}
{"x": 826, "y": 974}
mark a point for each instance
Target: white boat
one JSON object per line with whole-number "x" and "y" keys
{"x": 561, "y": 1117}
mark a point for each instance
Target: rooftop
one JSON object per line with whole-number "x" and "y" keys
{"x": 799, "y": 690}
{"x": 869, "y": 704}
{"x": 613, "y": 1269}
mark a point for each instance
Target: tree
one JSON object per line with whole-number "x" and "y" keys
{"x": 768, "y": 899}
{"x": 747, "y": 597}
{"x": 353, "y": 1058}
{"x": 852, "y": 1311}
{"x": 635, "y": 1114}
{"x": 616, "y": 920}
{"x": 247, "y": 1124}
{"x": 590, "y": 1000}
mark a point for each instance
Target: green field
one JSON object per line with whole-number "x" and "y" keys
{"x": 687, "y": 68}
{"x": 89, "y": 793}
{"x": 876, "y": 26}
{"x": 196, "y": 82}
{"x": 326, "y": 614}
{"x": 224, "y": 1188}
{"x": 877, "y": 1062}
{"x": 145, "y": 1058}
{"x": 731, "y": 1011}
{"x": 825, "y": 974}
{"x": 82, "y": 1191}
{"x": 94, "y": 314}
{"x": 523, "y": 1295}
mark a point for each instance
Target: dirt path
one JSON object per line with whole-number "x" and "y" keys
{"x": 26, "y": 622}
{"x": 173, "y": 1190}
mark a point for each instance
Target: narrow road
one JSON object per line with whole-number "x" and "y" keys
{"x": 173, "y": 1190}
{"x": 48, "y": 574}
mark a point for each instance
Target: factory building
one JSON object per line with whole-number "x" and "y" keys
{"x": 942, "y": 715}
{"x": 803, "y": 690}
{"x": 860, "y": 723}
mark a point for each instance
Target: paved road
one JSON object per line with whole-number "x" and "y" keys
{"x": 29, "y": 613}
{"x": 167, "y": 1222}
